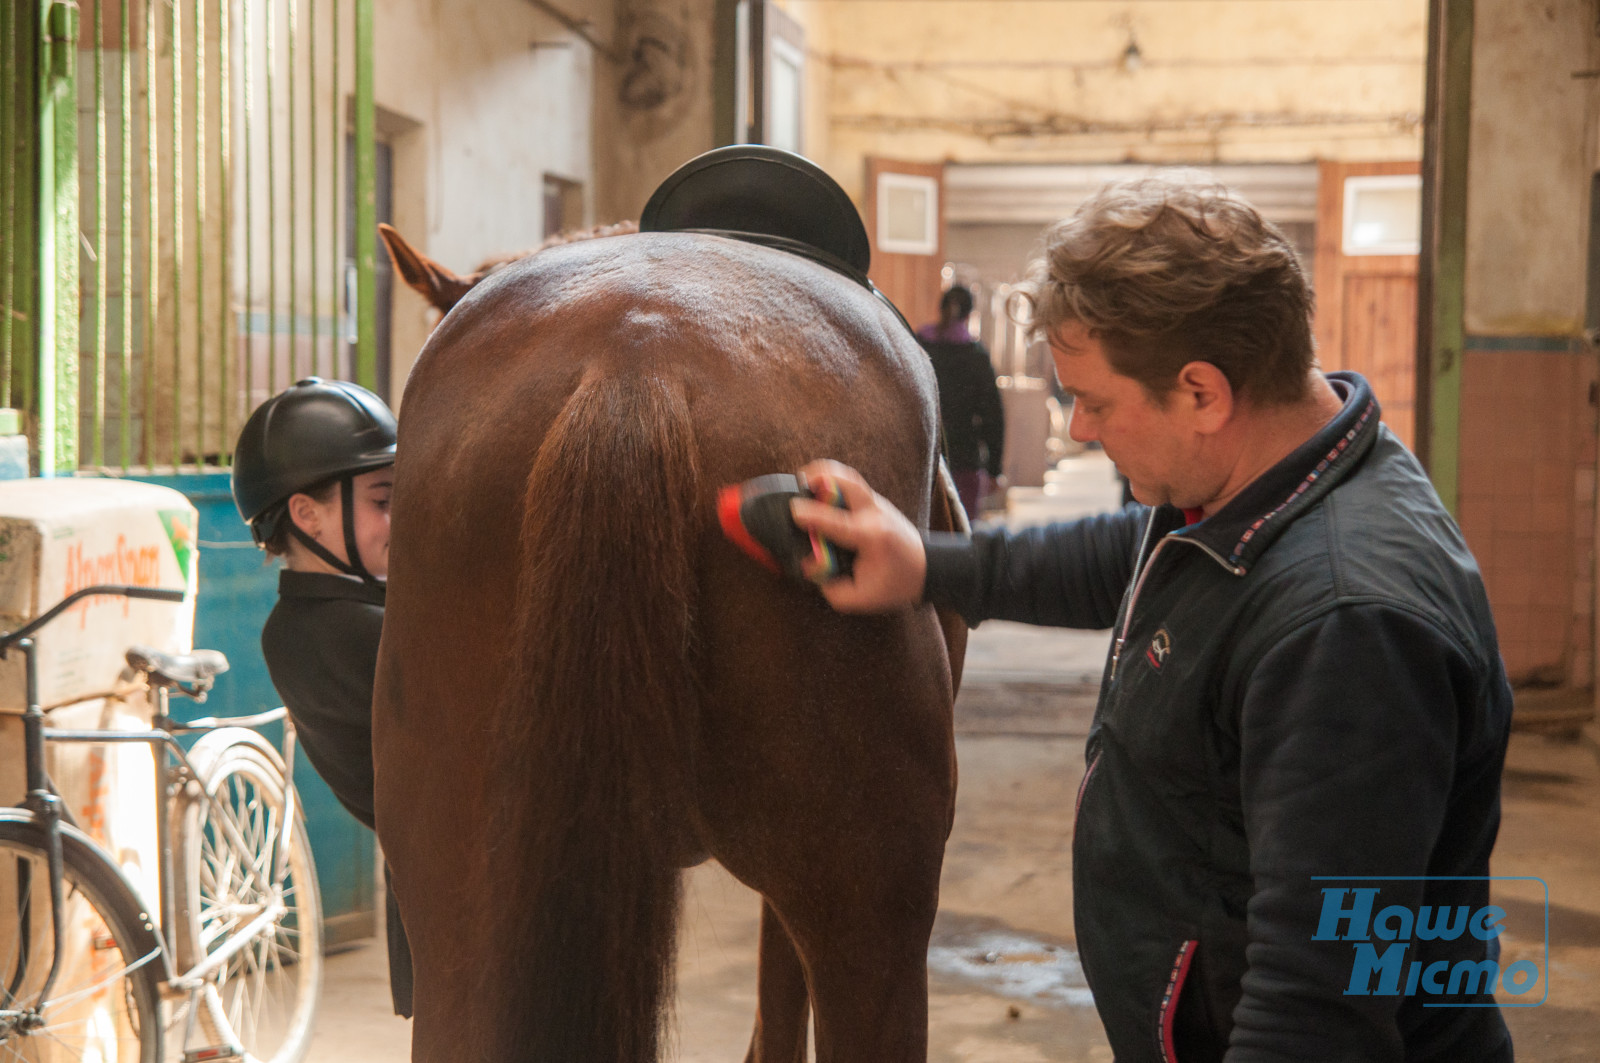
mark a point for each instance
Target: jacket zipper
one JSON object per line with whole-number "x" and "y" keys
{"x": 1138, "y": 585}
{"x": 1169, "y": 1001}
{"x": 1084, "y": 786}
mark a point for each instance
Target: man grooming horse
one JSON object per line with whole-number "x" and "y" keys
{"x": 1305, "y": 679}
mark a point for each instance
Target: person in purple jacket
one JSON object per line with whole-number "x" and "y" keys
{"x": 969, "y": 400}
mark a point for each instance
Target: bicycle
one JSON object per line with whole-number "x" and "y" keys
{"x": 229, "y": 966}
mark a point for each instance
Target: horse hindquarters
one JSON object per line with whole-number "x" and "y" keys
{"x": 599, "y": 708}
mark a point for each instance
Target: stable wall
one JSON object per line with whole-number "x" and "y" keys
{"x": 1528, "y": 378}
{"x": 1215, "y": 81}
{"x": 479, "y": 102}
{"x": 655, "y": 100}
{"x": 1532, "y": 151}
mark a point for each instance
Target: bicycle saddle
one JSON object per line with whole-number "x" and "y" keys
{"x": 187, "y": 671}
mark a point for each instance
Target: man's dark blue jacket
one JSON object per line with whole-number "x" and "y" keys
{"x": 1306, "y": 684}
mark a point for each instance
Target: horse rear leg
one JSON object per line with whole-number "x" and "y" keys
{"x": 869, "y": 977}
{"x": 825, "y": 770}
{"x": 783, "y": 1003}
{"x": 856, "y": 885}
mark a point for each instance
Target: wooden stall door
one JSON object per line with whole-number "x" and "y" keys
{"x": 911, "y": 279}
{"x": 1367, "y": 304}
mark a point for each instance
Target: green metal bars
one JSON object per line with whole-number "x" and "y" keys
{"x": 58, "y": 239}
{"x": 19, "y": 219}
{"x": 138, "y": 152}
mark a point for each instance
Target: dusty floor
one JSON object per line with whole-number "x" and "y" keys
{"x": 1007, "y": 895}
{"x": 1004, "y": 985}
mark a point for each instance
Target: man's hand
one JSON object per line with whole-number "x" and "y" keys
{"x": 890, "y": 564}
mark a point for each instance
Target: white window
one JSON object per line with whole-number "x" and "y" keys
{"x": 1383, "y": 215}
{"x": 908, "y": 214}
{"x": 787, "y": 85}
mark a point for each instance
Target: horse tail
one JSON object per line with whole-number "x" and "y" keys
{"x": 598, "y": 724}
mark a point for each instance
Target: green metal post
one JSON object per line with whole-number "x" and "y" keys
{"x": 271, "y": 71}
{"x": 249, "y": 210}
{"x": 226, "y": 350}
{"x": 366, "y": 204}
{"x": 176, "y": 427}
{"x": 11, "y": 155}
{"x": 291, "y": 40}
{"x": 19, "y": 133}
{"x": 102, "y": 246}
{"x": 58, "y": 244}
{"x": 152, "y": 231}
{"x": 127, "y": 239}
{"x": 311, "y": 145}
{"x": 1445, "y": 251}
{"x": 201, "y": 224}
{"x": 336, "y": 129}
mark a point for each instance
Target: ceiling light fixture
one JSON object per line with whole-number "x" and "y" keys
{"x": 1132, "y": 58}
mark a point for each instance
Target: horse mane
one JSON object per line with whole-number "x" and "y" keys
{"x": 444, "y": 288}
{"x": 573, "y": 236}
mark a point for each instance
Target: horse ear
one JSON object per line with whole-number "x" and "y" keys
{"x": 437, "y": 284}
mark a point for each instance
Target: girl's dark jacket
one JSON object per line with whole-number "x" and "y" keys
{"x": 1303, "y": 688}
{"x": 321, "y": 647}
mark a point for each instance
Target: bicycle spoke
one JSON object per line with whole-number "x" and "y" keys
{"x": 102, "y": 991}
{"x": 266, "y": 988}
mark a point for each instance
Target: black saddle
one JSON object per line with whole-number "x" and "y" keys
{"x": 189, "y": 672}
{"x": 768, "y": 196}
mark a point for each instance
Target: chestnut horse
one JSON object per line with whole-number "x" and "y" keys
{"x": 584, "y": 687}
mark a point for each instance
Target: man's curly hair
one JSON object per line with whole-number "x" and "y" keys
{"x": 1174, "y": 269}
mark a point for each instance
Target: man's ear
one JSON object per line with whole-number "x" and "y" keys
{"x": 1207, "y": 395}
{"x": 306, "y": 514}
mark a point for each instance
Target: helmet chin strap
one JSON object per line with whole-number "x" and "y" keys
{"x": 353, "y": 567}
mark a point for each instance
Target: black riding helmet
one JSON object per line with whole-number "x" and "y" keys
{"x": 303, "y": 437}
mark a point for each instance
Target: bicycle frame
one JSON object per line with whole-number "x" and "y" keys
{"x": 41, "y": 800}
{"x": 43, "y": 803}
{"x": 162, "y": 738}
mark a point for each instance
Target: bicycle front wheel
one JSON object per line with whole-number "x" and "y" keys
{"x": 103, "y": 1005}
{"x": 229, "y": 823}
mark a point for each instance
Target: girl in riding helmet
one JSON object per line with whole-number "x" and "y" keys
{"x": 312, "y": 476}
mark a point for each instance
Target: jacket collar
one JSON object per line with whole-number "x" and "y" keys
{"x": 1242, "y": 530}
{"x": 327, "y": 585}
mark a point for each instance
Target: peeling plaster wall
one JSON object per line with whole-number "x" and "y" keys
{"x": 1216, "y": 80}
{"x": 654, "y": 105}
{"x": 479, "y": 101}
{"x": 1533, "y": 147}
{"x": 1528, "y": 425}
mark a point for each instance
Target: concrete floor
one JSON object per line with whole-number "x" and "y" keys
{"x": 1004, "y": 985}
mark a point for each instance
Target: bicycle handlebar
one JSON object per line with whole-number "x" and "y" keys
{"x": 119, "y": 590}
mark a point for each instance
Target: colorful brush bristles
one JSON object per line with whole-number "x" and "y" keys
{"x": 826, "y": 558}
{"x": 755, "y": 517}
{"x": 828, "y": 491}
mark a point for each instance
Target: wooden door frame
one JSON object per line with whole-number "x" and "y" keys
{"x": 918, "y": 306}
{"x": 1332, "y": 263}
